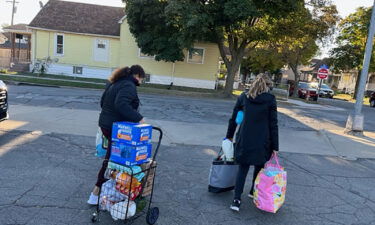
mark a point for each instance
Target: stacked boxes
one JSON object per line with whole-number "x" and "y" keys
{"x": 147, "y": 188}
{"x": 131, "y": 143}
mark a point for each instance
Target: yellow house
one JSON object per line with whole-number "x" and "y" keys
{"x": 86, "y": 40}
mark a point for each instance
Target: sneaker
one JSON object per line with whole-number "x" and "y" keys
{"x": 235, "y": 205}
{"x": 93, "y": 200}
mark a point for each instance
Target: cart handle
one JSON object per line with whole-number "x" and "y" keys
{"x": 159, "y": 141}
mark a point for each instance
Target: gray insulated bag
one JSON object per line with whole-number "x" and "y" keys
{"x": 222, "y": 176}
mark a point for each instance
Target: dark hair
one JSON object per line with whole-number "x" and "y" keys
{"x": 126, "y": 72}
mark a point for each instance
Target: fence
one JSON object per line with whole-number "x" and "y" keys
{"x": 281, "y": 91}
{"x": 5, "y": 57}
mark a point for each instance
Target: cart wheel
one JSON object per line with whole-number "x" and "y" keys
{"x": 94, "y": 217}
{"x": 152, "y": 215}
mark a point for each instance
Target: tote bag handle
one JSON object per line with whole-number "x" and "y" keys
{"x": 276, "y": 158}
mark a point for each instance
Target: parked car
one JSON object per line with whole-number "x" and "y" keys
{"x": 305, "y": 91}
{"x": 372, "y": 99}
{"x": 325, "y": 91}
{"x": 3, "y": 101}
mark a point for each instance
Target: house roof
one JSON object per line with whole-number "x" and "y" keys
{"x": 79, "y": 18}
{"x": 20, "y": 28}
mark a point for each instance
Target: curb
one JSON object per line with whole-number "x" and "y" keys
{"x": 28, "y": 84}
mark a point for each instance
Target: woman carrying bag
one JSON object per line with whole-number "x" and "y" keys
{"x": 257, "y": 137}
{"x": 119, "y": 102}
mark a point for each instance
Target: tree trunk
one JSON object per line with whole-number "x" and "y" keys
{"x": 296, "y": 80}
{"x": 232, "y": 71}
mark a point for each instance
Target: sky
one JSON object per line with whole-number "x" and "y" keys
{"x": 27, "y": 9}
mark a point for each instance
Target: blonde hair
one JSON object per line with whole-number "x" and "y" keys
{"x": 260, "y": 85}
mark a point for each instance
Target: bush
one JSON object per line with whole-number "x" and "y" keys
{"x": 3, "y": 71}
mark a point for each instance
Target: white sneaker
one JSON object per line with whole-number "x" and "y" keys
{"x": 235, "y": 206}
{"x": 93, "y": 200}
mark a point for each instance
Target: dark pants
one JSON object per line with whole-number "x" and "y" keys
{"x": 241, "y": 178}
{"x": 101, "y": 179}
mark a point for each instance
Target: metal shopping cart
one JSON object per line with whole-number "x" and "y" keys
{"x": 128, "y": 193}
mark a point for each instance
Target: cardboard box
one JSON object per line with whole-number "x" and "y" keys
{"x": 147, "y": 188}
{"x": 131, "y": 133}
{"x": 130, "y": 155}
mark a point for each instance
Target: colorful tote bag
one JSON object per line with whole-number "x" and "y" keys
{"x": 270, "y": 186}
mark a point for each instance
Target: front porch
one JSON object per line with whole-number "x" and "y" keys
{"x": 15, "y": 52}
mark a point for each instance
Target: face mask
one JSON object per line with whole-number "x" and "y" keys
{"x": 136, "y": 82}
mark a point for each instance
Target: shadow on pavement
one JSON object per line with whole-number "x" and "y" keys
{"x": 47, "y": 181}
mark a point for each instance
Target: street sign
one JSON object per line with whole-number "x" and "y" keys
{"x": 323, "y": 73}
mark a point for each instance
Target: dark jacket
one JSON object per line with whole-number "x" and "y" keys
{"x": 119, "y": 102}
{"x": 258, "y": 134}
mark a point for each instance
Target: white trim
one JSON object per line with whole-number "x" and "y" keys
{"x": 145, "y": 57}
{"x": 70, "y": 32}
{"x": 17, "y": 31}
{"x": 55, "y": 45}
{"x": 122, "y": 19}
{"x": 179, "y": 81}
{"x": 87, "y": 71}
{"x": 188, "y": 53}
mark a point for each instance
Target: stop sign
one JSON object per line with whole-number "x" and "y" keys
{"x": 323, "y": 73}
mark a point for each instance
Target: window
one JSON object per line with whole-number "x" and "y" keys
{"x": 147, "y": 78}
{"x": 59, "y": 44}
{"x": 101, "y": 44}
{"x": 196, "y": 55}
{"x": 145, "y": 56}
{"x": 77, "y": 70}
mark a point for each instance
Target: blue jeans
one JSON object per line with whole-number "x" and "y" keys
{"x": 101, "y": 178}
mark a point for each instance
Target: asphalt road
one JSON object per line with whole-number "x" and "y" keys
{"x": 193, "y": 110}
{"x": 47, "y": 177}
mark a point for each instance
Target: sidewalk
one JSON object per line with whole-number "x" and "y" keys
{"x": 48, "y": 169}
{"x": 64, "y": 121}
{"x": 47, "y": 179}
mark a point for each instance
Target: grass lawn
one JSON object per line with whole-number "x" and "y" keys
{"x": 95, "y": 80}
{"x": 64, "y": 77}
{"x": 349, "y": 98}
{"x": 69, "y": 81}
{"x": 35, "y": 80}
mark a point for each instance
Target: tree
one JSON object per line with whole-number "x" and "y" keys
{"x": 263, "y": 59}
{"x": 165, "y": 28}
{"x": 351, "y": 43}
{"x": 297, "y": 36}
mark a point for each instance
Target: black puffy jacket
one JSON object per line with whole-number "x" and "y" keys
{"x": 120, "y": 102}
{"x": 258, "y": 134}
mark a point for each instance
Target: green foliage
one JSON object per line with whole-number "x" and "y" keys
{"x": 262, "y": 59}
{"x": 165, "y": 28}
{"x": 296, "y": 36}
{"x": 351, "y": 42}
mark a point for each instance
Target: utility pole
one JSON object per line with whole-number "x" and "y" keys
{"x": 355, "y": 121}
{"x": 14, "y": 5}
{"x": 13, "y": 10}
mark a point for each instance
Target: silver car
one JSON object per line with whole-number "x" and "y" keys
{"x": 325, "y": 90}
